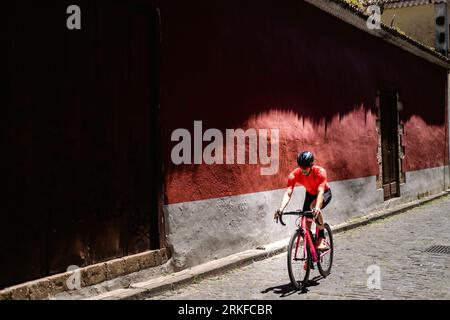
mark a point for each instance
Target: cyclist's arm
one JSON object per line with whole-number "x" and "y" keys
{"x": 286, "y": 198}
{"x": 321, "y": 189}
{"x": 320, "y": 192}
{"x": 288, "y": 194}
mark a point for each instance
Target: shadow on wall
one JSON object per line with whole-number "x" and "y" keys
{"x": 77, "y": 135}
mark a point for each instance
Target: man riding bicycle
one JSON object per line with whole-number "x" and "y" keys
{"x": 318, "y": 192}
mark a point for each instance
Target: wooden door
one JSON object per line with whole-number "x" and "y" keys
{"x": 81, "y": 137}
{"x": 389, "y": 143}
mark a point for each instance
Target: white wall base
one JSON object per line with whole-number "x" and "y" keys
{"x": 201, "y": 231}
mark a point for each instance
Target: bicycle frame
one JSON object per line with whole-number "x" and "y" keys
{"x": 309, "y": 242}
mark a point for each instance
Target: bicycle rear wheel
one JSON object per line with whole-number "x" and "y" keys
{"x": 326, "y": 257}
{"x": 298, "y": 260}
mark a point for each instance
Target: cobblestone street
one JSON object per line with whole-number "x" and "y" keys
{"x": 396, "y": 245}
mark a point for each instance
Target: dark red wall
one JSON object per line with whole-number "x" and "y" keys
{"x": 291, "y": 66}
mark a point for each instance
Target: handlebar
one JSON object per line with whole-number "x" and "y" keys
{"x": 300, "y": 213}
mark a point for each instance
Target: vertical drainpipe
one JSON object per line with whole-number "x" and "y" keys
{"x": 447, "y": 136}
{"x": 447, "y": 109}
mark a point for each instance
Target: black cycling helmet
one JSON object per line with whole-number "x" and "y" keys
{"x": 305, "y": 159}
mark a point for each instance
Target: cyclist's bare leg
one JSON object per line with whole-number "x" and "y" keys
{"x": 320, "y": 217}
{"x": 322, "y": 245}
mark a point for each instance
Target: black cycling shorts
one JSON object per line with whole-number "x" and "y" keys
{"x": 309, "y": 198}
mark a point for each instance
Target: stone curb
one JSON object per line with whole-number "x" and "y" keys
{"x": 382, "y": 214}
{"x": 46, "y": 287}
{"x": 156, "y": 286}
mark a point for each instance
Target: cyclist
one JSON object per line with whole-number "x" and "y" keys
{"x": 318, "y": 192}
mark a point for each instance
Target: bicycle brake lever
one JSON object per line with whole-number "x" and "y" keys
{"x": 281, "y": 220}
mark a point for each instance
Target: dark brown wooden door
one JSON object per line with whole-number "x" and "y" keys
{"x": 389, "y": 143}
{"x": 80, "y": 130}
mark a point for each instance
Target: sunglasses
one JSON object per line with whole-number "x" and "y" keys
{"x": 304, "y": 169}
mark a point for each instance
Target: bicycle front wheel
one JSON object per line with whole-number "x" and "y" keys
{"x": 298, "y": 260}
{"x": 326, "y": 257}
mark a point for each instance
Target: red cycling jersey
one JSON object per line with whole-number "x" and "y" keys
{"x": 317, "y": 178}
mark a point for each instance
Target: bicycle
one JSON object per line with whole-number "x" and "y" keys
{"x": 302, "y": 250}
